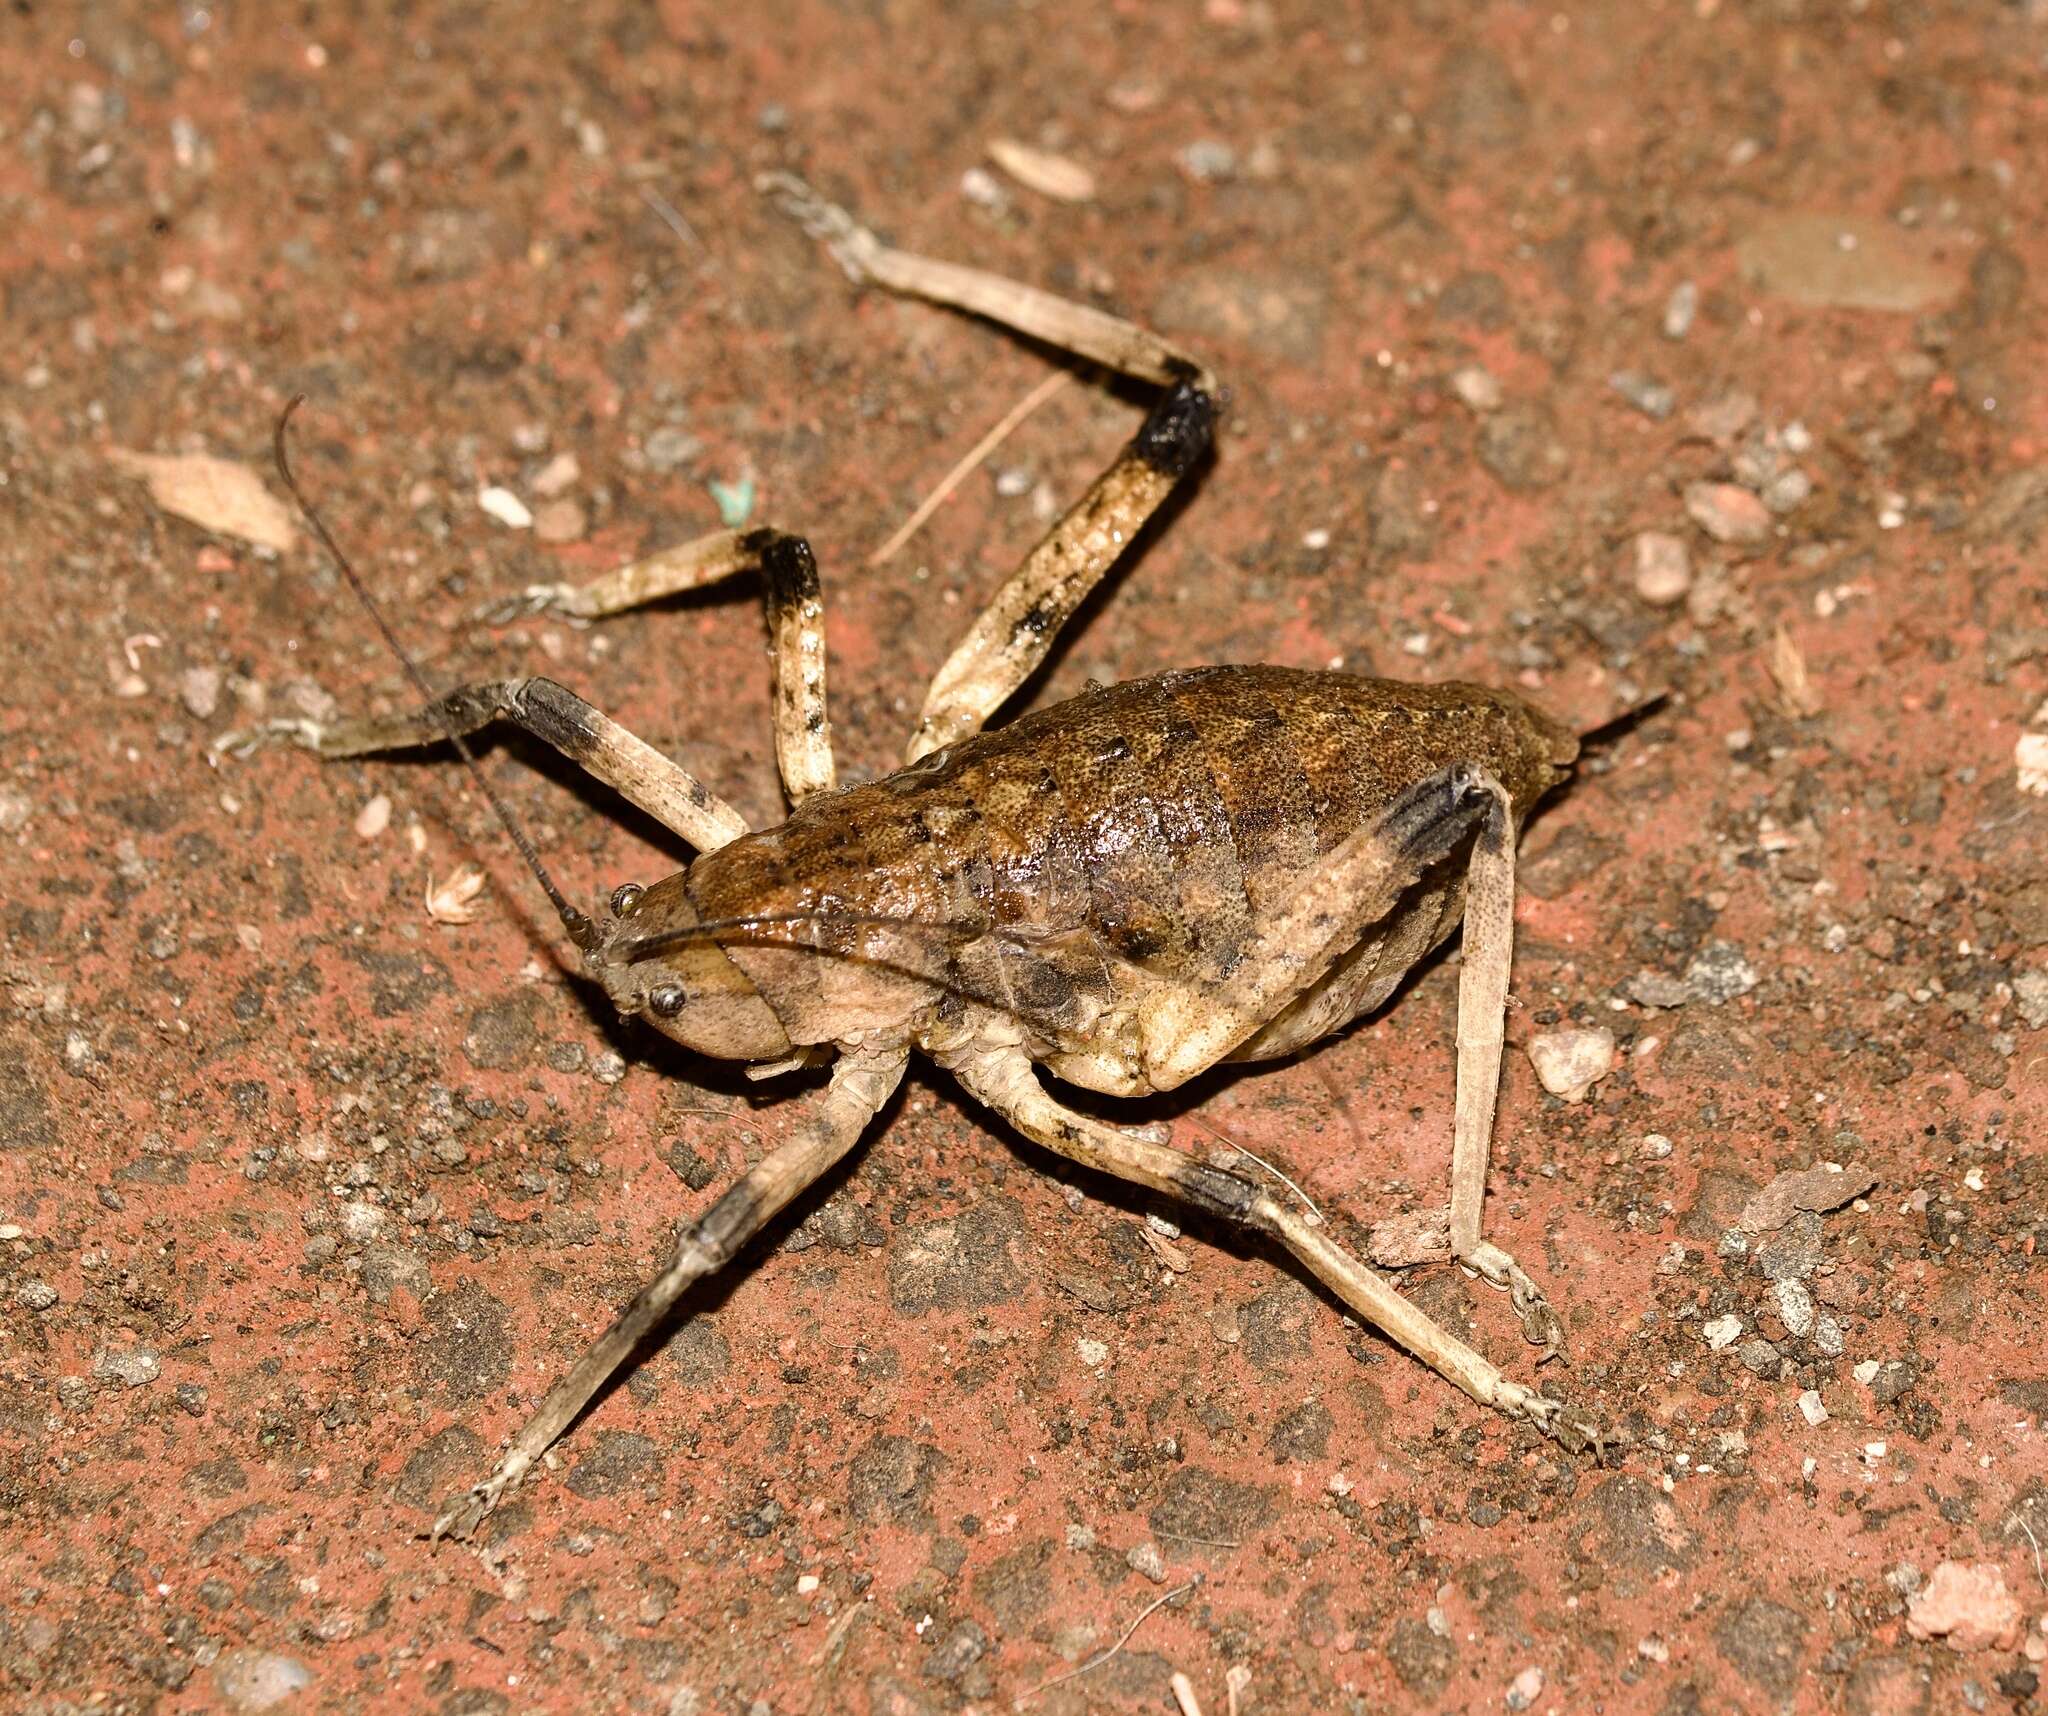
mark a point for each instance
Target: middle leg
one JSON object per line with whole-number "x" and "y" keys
{"x": 796, "y": 627}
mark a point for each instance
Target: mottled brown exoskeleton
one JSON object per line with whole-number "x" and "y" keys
{"x": 1220, "y": 864}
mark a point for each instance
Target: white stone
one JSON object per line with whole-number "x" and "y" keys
{"x": 1571, "y": 1062}
{"x": 506, "y": 507}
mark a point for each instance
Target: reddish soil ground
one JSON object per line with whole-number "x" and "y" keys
{"x": 307, "y": 1197}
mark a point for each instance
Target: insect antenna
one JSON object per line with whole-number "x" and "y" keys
{"x": 582, "y": 931}
{"x": 710, "y": 929}
{"x": 1627, "y": 721}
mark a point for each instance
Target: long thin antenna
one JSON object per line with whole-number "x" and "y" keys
{"x": 582, "y": 931}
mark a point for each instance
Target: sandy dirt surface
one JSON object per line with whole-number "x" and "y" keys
{"x": 1586, "y": 350}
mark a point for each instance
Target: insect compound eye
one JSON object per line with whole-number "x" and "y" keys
{"x": 626, "y": 900}
{"x": 667, "y": 1000}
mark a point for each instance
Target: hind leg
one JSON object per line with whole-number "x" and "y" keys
{"x": 1482, "y": 1010}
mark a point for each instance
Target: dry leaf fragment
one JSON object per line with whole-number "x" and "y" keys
{"x": 1040, "y": 170}
{"x": 215, "y": 494}
{"x": 1402, "y": 1241}
{"x": 449, "y": 902}
{"x": 1796, "y": 695}
{"x": 1169, "y": 1254}
{"x": 1819, "y": 1189}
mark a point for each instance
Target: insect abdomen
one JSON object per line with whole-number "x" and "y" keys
{"x": 1165, "y": 817}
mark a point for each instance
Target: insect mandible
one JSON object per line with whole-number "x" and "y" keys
{"x": 1218, "y": 864}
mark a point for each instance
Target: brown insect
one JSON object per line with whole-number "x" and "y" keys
{"x": 1220, "y": 864}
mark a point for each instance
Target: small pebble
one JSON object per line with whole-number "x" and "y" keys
{"x": 1795, "y": 1307}
{"x": 981, "y": 188}
{"x": 1680, "y": 309}
{"x": 608, "y": 1066}
{"x": 1206, "y": 159}
{"x": 1758, "y": 1356}
{"x": 1811, "y": 1409}
{"x": 1968, "y": 1606}
{"x": 1524, "y": 1689}
{"x": 1146, "y": 1559}
{"x": 374, "y": 817}
{"x": 15, "y": 810}
{"x": 1728, "y": 513}
{"x": 558, "y": 475}
{"x": 1663, "y": 568}
{"x": 199, "y": 691}
{"x": 1050, "y": 175}
{"x": 35, "y": 1295}
{"x": 1720, "y": 420}
{"x": 1658, "y": 989}
{"x": 1722, "y": 1331}
{"x": 560, "y": 521}
{"x": 362, "y": 1221}
{"x": 506, "y": 507}
{"x": 1787, "y": 491}
{"x": 1719, "y": 973}
{"x": 1094, "y": 1354}
{"x": 1570, "y": 1063}
{"x": 2030, "y": 759}
{"x": 1645, "y": 392}
{"x": 132, "y": 1369}
{"x": 1477, "y": 386}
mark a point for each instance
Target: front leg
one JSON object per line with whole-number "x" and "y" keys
{"x": 587, "y": 736}
{"x": 862, "y": 1081}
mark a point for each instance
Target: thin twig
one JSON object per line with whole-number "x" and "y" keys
{"x": 975, "y": 455}
{"x": 671, "y": 217}
{"x": 1184, "y": 1694}
{"x": 1096, "y": 1661}
{"x": 2019, "y": 1519}
{"x": 838, "y": 1632}
{"x": 1206, "y": 1542}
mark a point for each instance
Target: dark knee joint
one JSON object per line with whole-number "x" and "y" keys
{"x": 1430, "y": 818}
{"x": 1217, "y": 1191}
{"x": 555, "y": 714}
{"x": 789, "y": 568}
{"x": 725, "y": 1226}
{"x": 1179, "y": 431}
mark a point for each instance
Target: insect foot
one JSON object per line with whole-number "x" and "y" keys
{"x": 1541, "y": 1325}
{"x": 460, "y": 1518}
{"x": 1574, "y": 1434}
